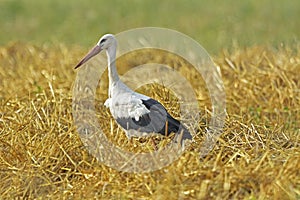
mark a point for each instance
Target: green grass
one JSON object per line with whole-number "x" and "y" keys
{"x": 215, "y": 24}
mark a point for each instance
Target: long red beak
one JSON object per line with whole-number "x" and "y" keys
{"x": 97, "y": 49}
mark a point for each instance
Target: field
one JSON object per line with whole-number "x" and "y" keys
{"x": 257, "y": 155}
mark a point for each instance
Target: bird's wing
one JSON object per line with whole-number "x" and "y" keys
{"x": 128, "y": 105}
{"x": 145, "y": 116}
{"x": 137, "y": 109}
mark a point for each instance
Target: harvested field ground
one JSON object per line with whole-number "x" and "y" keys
{"x": 257, "y": 156}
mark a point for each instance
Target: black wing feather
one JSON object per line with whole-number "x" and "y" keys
{"x": 155, "y": 121}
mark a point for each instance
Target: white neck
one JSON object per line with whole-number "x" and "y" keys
{"x": 112, "y": 71}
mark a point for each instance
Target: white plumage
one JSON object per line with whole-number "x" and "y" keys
{"x": 124, "y": 102}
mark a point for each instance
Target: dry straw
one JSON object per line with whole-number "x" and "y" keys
{"x": 257, "y": 157}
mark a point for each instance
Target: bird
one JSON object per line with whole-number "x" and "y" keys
{"x": 137, "y": 114}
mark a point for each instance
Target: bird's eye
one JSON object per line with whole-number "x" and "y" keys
{"x": 103, "y": 40}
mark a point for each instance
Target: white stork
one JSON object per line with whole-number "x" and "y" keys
{"x": 137, "y": 114}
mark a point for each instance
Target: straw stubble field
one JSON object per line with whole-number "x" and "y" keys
{"x": 257, "y": 156}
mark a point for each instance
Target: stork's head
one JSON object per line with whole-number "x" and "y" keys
{"x": 106, "y": 41}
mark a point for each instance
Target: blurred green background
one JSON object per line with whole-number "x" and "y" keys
{"x": 214, "y": 24}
